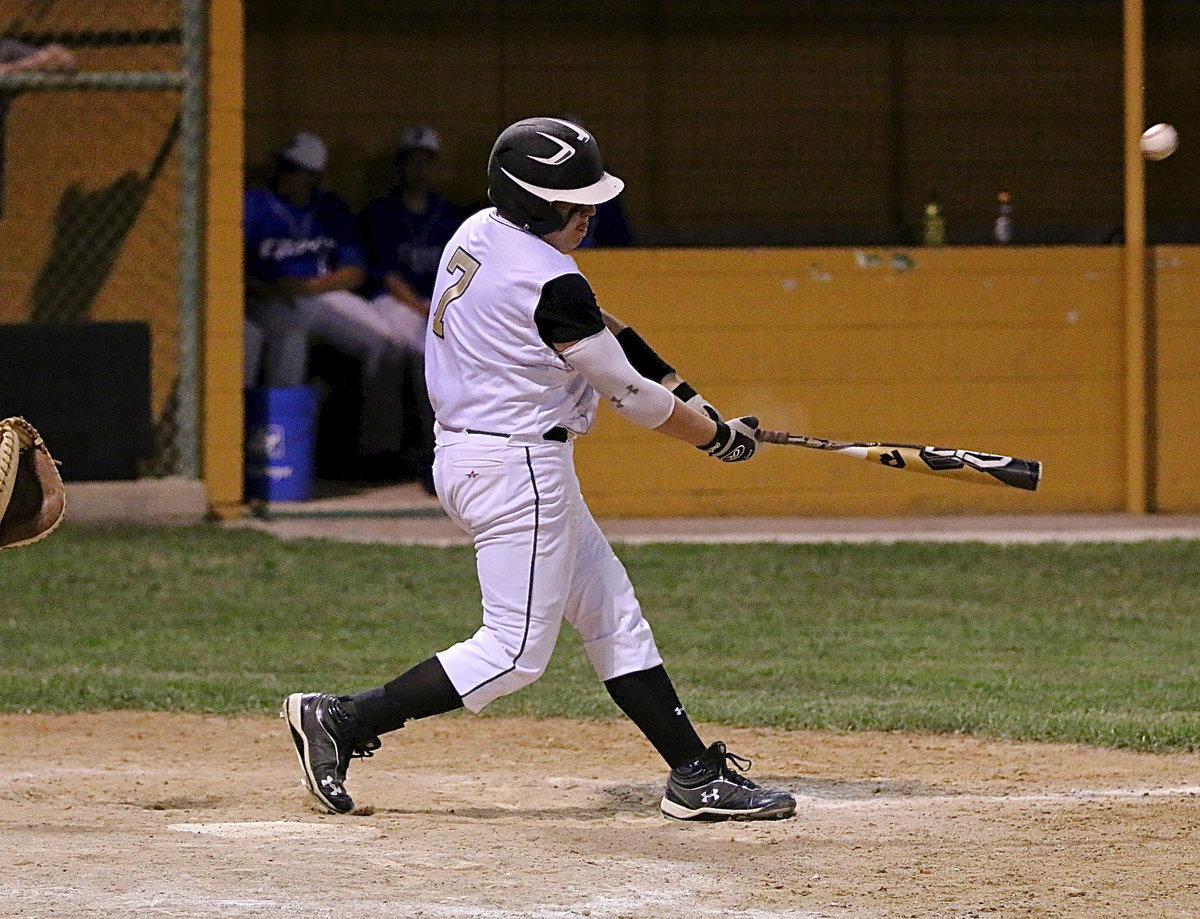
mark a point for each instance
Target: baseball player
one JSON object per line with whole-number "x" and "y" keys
{"x": 518, "y": 356}
{"x": 304, "y": 259}
{"x": 405, "y": 232}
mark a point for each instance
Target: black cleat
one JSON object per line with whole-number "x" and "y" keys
{"x": 325, "y": 738}
{"x": 710, "y": 789}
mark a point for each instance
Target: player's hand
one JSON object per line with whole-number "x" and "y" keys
{"x": 693, "y": 399}
{"x": 734, "y": 441}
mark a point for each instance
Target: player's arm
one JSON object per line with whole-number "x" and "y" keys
{"x": 647, "y": 362}
{"x": 399, "y": 288}
{"x": 569, "y": 320}
{"x": 601, "y": 361}
{"x": 380, "y": 242}
{"x": 348, "y": 261}
{"x": 347, "y": 277}
{"x": 54, "y": 58}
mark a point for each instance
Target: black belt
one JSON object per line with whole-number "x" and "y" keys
{"x": 558, "y": 433}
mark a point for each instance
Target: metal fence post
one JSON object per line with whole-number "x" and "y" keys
{"x": 191, "y": 190}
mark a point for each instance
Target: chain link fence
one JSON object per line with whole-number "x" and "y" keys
{"x": 100, "y": 119}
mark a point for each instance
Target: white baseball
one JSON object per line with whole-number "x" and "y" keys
{"x": 1159, "y": 142}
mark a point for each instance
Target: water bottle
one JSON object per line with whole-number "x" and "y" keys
{"x": 1003, "y": 230}
{"x": 935, "y": 223}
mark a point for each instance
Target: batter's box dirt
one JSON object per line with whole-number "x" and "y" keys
{"x": 136, "y": 814}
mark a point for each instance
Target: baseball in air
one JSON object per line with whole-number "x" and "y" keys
{"x": 1159, "y": 142}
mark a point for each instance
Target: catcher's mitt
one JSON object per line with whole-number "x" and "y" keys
{"x": 32, "y": 497}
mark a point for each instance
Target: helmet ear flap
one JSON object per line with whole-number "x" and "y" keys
{"x": 526, "y": 210}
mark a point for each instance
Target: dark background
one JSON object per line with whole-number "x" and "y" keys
{"x": 769, "y": 122}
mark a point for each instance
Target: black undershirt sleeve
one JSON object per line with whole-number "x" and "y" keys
{"x": 645, "y": 360}
{"x": 567, "y": 310}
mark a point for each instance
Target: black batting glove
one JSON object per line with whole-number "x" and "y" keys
{"x": 693, "y": 399}
{"x": 734, "y": 441}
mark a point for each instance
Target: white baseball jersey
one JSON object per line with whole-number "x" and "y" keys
{"x": 488, "y": 366}
{"x": 497, "y": 386}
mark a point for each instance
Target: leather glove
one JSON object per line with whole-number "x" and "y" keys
{"x": 734, "y": 441}
{"x": 32, "y": 498}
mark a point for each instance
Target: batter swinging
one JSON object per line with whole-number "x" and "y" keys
{"x": 518, "y": 354}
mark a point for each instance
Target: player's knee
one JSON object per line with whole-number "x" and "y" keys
{"x": 527, "y": 673}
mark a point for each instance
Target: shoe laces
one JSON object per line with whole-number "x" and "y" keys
{"x": 731, "y": 763}
{"x": 360, "y": 744}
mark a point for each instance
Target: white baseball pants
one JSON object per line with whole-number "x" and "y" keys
{"x": 341, "y": 318}
{"x": 403, "y": 322}
{"x": 540, "y": 558}
{"x": 278, "y": 335}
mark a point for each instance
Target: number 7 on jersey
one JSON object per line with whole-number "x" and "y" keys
{"x": 468, "y": 265}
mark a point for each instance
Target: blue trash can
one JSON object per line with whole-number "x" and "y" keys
{"x": 280, "y": 442}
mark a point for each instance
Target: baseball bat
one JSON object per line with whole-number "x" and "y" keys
{"x": 967, "y": 465}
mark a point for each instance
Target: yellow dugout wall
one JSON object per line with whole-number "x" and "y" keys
{"x": 1015, "y": 351}
{"x": 1176, "y": 392}
{"x": 221, "y": 398}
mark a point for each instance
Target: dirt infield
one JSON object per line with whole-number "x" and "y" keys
{"x": 143, "y": 814}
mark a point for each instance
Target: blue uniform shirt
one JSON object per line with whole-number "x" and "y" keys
{"x": 304, "y": 242}
{"x": 406, "y": 243}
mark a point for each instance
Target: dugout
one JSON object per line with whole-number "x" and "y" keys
{"x": 777, "y": 156}
{"x": 790, "y": 230}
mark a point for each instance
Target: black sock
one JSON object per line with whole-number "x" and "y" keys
{"x": 649, "y": 699}
{"x": 418, "y": 693}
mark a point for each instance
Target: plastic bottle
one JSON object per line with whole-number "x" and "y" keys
{"x": 935, "y": 224}
{"x": 1003, "y": 229}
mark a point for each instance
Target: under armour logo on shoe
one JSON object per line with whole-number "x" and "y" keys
{"x": 329, "y": 783}
{"x": 710, "y": 797}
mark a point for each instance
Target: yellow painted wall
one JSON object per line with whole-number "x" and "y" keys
{"x": 1177, "y": 397}
{"x": 90, "y": 226}
{"x": 223, "y": 287}
{"x": 1014, "y": 351}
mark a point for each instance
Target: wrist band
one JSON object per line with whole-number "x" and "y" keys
{"x": 719, "y": 439}
{"x": 684, "y": 391}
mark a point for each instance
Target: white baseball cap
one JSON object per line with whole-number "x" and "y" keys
{"x": 419, "y": 137}
{"x": 305, "y": 150}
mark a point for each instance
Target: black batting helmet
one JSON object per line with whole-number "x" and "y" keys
{"x": 541, "y": 160}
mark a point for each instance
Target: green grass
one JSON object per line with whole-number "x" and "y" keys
{"x": 1091, "y": 643}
